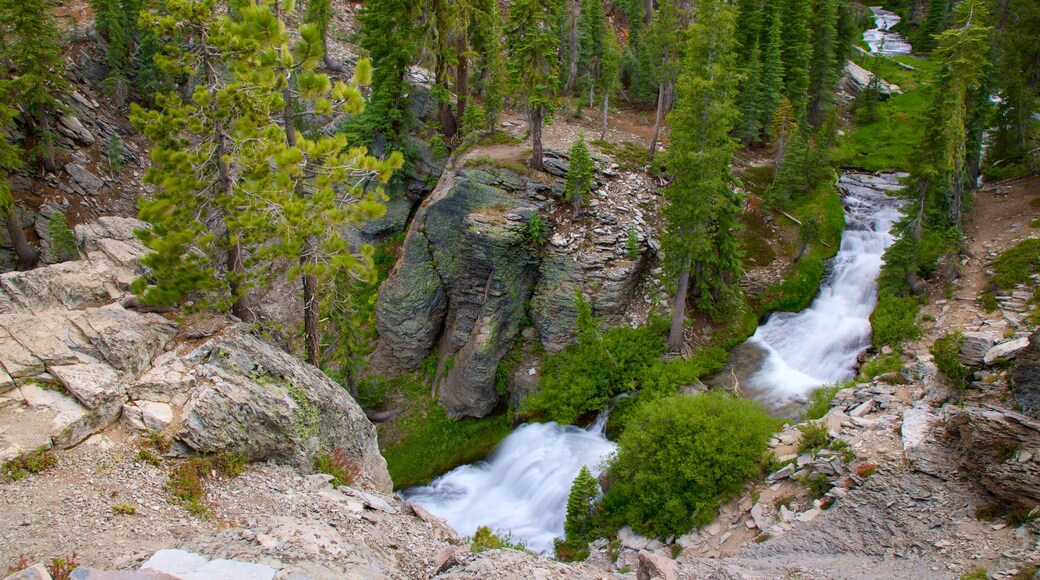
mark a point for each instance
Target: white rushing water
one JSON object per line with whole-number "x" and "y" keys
{"x": 881, "y": 38}
{"x": 819, "y": 345}
{"x": 523, "y": 486}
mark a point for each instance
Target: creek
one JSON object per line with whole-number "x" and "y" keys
{"x": 882, "y": 38}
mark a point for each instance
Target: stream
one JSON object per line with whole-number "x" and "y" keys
{"x": 521, "y": 489}
{"x": 881, "y": 38}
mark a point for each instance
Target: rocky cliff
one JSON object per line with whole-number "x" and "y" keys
{"x": 76, "y": 356}
{"x": 491, "y": 251}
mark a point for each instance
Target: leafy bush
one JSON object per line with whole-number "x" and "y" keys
{"x": 126, "y": 509}
{"x": 894, "y": 320}
{"x": 817, "y": 485}
{"x": 865, "y": 470}
{"x": 814, "y": 437}
{"x": 946, "y": 351}
{"x": 484, "y": 539}
{"x": 186, "y": 485}
{"x": 680, "y": 457}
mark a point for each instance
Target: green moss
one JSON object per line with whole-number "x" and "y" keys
{"x": 628, "y": 155}
{"x": 1016, "y": 264}
{"x": 880, "y": 365}
{"x": 819, "y": 402}
{"x": 894, "y": 320}
{"x": 946, "y": 351}
{"x": 425, "y": 442}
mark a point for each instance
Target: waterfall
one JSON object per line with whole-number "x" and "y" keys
{"x": 522, "y": 487}
{"x": 820, "y": 345}
{"x": 881, "y": 38}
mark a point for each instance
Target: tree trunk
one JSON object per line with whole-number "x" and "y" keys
{"x": 240, "y": 306}
{"x": 462, "y": 83}
{"x": 536, "y": 138}
{"x": 606, "y": 105}
{"x": 48, "y": 141}
{"x": 648, "y": 14}
{"x": 657, "y": 119}
{"x": 329, "y": 63}
{"x": 25, "y": 253}
{"x": 675, "y": 335}
{"x": 311, "y": 331}
{"x": 449, "y": 127}
{"x": 572, "y": 47}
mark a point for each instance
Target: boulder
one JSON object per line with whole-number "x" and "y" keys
{"x": 653, "y": 566}
{"x": 70, "y": 126}
{"x": 1025, "y": 378}
{"x": 975, "y": 346}
{"x": 1000, "y": 449}
{"x": 87, "y": 182}
{"x": 857, "y": 79}
{"x": 921, "y": 434}
{"x": 1005, "y": 350}
{"x": 252, "y": 399}
{"x": 183, "y": 565}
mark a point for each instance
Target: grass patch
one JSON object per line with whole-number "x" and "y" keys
{"x": 125, "y": 509}
{"x": 146, "y": 456}
{"x": 819, "y": 402}
{"x": 488, "y": 161}
{"x": 498, "y": 138}
{"x": 187, "y": 488}
{"x": 484, "y": 539}
{"x": 629, "y": 156}
{"x": 423, "y": 442}
{"x": 877, "y": 366}
{"x": 31, "y": 462}
{"x": 946, "y": 351}
{"x": 1016, "y": 264}
{"x": 814, "y": 437}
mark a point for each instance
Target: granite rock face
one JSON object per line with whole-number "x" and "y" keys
{"x": 1000, "y": 448}
{"x": 1025, "y": 378}
{"x": 74, "y": 359}
{"x": 487, "y": 254}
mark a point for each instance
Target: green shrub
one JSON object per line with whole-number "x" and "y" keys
{"x": 1015, "y": 265}
{"x": 31, "y": 462}
{"x": 946, "y": 351}
{"x": 877, "y": 366}
{"x": 581, "y": 173}
{"x": 976, "y": 574}
{"x": 186, "y": 485}
{"x": 125, "y": 509}
{"x": 816, "y": 485}
{"x": 63, "y": 242}
{"x": 536, "y": 230}
{"x": 814, "y": 437}
{"x": 819, "y": 402}
{"x": 894, "y": 320}
{"x": 484, "y": 539}
{"x": 681, "y": 457}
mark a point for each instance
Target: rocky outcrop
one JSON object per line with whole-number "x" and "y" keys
{"x": 1000, "y": 449}
{"x": 487, "y": 251}
{"x": 74, "y": 359}
{"x": 857, "y": 79}
{"x": 1025, "y": 378}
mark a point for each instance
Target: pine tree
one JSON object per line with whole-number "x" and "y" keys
{"x": 578, "y": 525}
{"x": 30, "y": 47}
{"x": 824, "y": 69}
{"x": 772, "y": 63}
{"x": 592, "y": 31}
{"x": 532, "y": 66}
{"x": 797, "y": 53}
{"x": 581, "y": 174}
{"x": 388, "y": 33}
{"x": 700, "y": 242}
{"x": 1017, "y": 68}
{"x": 934, "y": 24}
{"x": 750, "y": 101}
{"x": 486, "y": 43}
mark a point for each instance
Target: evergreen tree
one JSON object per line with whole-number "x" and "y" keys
{"x": 797, "y": 53}
{"x": 824, "y": 70}
{"x": 30, "y": 47}
{"x": 772, "y": 63}
{"x": 581, "y": 174}
{"x": 700, "y": 239}
{"x": 532, "y": 65}
{"x": 578, "y": 525}
{"x": 1018, "y": 76}
{"x": 751, "y": 101}
{"x": 388, "y": 33}
{"x": 934, "y": 24}
{"x": 486, "y": 43}
{"x": 592, "y": 37}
